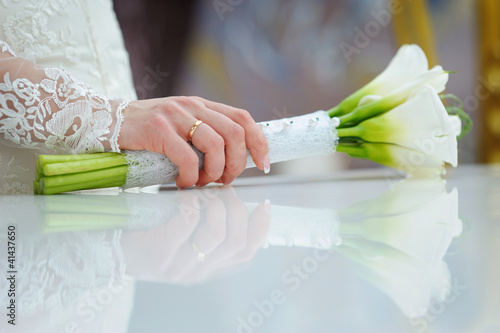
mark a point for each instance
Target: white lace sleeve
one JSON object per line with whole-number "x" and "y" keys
{"x": 49, "y": 110}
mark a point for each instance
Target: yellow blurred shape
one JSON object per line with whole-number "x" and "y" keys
{"x": 413, "y": 25}
{"x": 489, "y": 67}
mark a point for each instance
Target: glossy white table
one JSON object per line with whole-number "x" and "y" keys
{"x": 357, "y": 251}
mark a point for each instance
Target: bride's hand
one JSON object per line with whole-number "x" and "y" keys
{"x": 162, "y": 126}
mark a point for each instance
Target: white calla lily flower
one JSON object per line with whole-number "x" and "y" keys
{"x": 408, "y": 70}
{"x": 409, "y": 64}
{"x": 420, "y": 124}
{"x": 371, "y": 106}
{"x": 412, "y": 162}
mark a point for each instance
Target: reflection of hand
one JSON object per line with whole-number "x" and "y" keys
{"x": 212, "y": 232}
{"x": 162, "y": 126}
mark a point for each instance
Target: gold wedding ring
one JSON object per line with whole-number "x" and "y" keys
{"x": 193, "y": 128}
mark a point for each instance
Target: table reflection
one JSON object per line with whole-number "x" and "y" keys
{"x": 79, "y": 255}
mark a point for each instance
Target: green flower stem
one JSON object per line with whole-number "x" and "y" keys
{"x": 348, "y": 104}
{"x": 62, "y": 168}
{"x": 91, "y": 184}
{"x": 62, "y": 180}
{"x": 350, "y": 132}
{"x": 371, "y": 110}
{"x": 48, "y": 159}
{"x": 459, "y": 110}
{"x": 352, "y": 150}
{"x": 335, "y": 111}
{"x": 45, "y": 159}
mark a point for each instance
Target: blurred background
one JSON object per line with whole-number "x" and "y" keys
{"x": 281, "y": 58}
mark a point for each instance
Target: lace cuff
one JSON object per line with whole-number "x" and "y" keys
{"x": 49, "y": 110}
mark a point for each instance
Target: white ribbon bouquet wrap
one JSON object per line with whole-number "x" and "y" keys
{"x": 398, "y": 120}
{"x": 290, "y": 138}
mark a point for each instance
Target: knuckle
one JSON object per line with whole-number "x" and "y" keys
{"x": 184, "y": 100}
{"x": 156, "y": 117}
{"x": 157, "y": 120}
{"x": 170, "y": 108}
{"x": 237, "y": 132}
{"x": 261, "y": 142}
{"x": 217, "y": 142}
{"x": 243, "y": 116}
{"x": 189, "y": 160}
{"x": 196, "y": 98}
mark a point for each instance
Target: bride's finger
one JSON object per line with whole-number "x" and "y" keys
{"x": 234, "y": 140}
{"x": 255, "y": 139}
{"x": 208, "y": 141}
{"x": 165, "y": 140}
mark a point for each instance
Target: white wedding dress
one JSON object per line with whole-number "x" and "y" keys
{"x": 65, "y": 78}
{"x": 64, "y": 81}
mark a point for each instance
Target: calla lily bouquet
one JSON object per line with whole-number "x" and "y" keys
{"x": 398, "y": 119}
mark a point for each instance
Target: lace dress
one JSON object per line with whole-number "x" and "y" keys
{"x": 64, "y": 82}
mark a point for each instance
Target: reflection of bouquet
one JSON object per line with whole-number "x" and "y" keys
{"x": 398, "y": 239}
{"x": 397, "y": 120}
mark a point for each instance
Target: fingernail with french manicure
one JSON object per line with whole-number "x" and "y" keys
{"x": 267, "y": 164}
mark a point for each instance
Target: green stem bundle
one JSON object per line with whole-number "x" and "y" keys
{"x": 64, "y": 173}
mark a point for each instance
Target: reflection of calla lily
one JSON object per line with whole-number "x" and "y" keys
{"x": 406, "y": 196}
{"x": 401, "y": 250}
{"x": 406, "y": 231}
{"x": 409, "y": 282}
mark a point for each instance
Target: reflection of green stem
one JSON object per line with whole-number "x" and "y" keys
{"x": 69, "y": 222}
{"x": 106, "y": 205}
{"x": 69, "y": 212}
